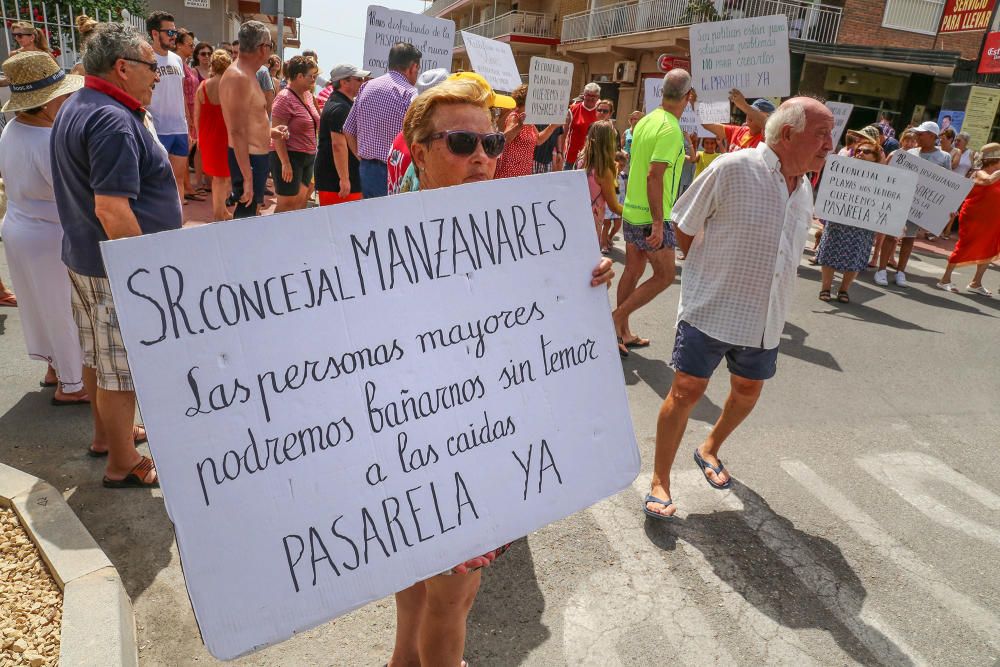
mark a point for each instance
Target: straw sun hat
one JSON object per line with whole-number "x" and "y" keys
{"x": 35, "y": 80}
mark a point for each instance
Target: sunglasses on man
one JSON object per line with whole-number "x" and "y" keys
{"x": 151, "y": 65}
{"x": 463, "y": 142}
{"x": 172, "y": 32}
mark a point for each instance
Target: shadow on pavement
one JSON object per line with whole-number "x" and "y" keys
{"x": 735, "y": 544}
{"x": 793, "y": 343}
{"x": 51, "y": 443}
{"x": 505, "y": 624}
{"x": 659, "y": 376}
{"x": 3, "y": 324}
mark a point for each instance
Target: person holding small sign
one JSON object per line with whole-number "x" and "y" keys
{"x": 743, "y": 225}
{"x": 452, "y": 141}
{"x": 518, "y": 157}
{"x": 751, "y": 133}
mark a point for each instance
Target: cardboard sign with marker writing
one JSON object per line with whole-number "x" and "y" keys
{"x": 342, "y": 401}
{"x": 939, "y": 193}
{"x": 750, "y": 55}
{"x": 549, "y": 88}
{"x": 492, "y": 59}
{"x": 433, "y": 37}
{"x": 865, "y": 194}
{"x": 841, "y": 113}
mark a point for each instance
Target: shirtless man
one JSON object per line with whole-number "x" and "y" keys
{"x": 245, "y": 109}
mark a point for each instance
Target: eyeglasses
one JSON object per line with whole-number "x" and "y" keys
{"x": 599, "y": 110}
{"x": 151, "y": 65}
{"x": 204, "y": 53}
{"x": 172, "y": 32}
{"x": 866, "y": 151}
{"x": 23, "y": 34}
{"x": 464, "y": 142}
{"x": 591, "y": 95}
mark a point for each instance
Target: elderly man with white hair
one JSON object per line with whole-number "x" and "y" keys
{"x": 579, "y": 118}
{"x": 743, "y": 225}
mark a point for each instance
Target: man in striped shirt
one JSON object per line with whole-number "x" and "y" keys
{"x": 377, "y": 117}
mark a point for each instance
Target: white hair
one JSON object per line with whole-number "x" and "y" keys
{"x": 792, "y": 114}
{"x": 592, "y": 88}
{"x": 676, "y": 84}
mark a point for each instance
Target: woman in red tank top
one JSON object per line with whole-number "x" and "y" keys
{"x": 212, "y": 135}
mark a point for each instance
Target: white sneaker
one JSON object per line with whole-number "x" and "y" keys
{"x": 881, "y": 278}
{"x": 901, "y": 279}
{"x": 979, "y": 290}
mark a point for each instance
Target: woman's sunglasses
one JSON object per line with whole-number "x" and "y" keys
{"x": 599, "y": 110}
{"x": 205, "y": 53}
{"x": 464, "y": 142}
{"x": 23, "y": 34}
{"x": 867, "y": 151}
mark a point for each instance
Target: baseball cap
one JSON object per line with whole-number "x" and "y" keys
{"x": 496, "y": 99}
{"x": 928, "y": 126}
{"x": 430, "y": 78}
{"x": 763, "y": 104}
{"x": 343, "y": 71}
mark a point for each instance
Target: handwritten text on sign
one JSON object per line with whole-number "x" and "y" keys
{"x": 865, "y": 194}
{"x": 939, "y": 193}
{"x": 841, "y": 113}
{"x": 494, "y": 60}
{"x": 690, "y": 121}
{"x": 750, "y": 55}
{"x": 549, "y": 87}
{"x": 434, "y": 38}
{"x": 339, "y": 412}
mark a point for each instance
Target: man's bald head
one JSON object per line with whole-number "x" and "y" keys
{"x": 800, "y": 133}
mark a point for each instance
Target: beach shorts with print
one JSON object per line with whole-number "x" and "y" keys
{"x": 698, "y": 354}
{"x": 638, "y": 235}
{"x": 100, "y": 336}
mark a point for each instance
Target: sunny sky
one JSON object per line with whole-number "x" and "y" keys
{"x": 335, "y": 29}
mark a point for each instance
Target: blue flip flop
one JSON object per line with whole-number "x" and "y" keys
{"x": 656, "y": 515}
{"x": 702, "y": 463}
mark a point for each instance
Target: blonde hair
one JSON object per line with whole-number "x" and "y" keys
{"x": 40, "y": 40}
{"x": 418, "y": 122}
{"x": 85, "y": 25}
{"x": 220, "y": 60}
{"x": 599, "y": 149}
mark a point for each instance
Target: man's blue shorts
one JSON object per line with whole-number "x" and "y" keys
{"x": 176, "y": 144}
{"x": 698, "y": 354}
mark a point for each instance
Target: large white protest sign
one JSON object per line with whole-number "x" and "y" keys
{"x": 865, "y": 194}
{"x": 492, "y": 59}
{"x": 550, "y": 83}
{"x": 841, "y": 112}
{"x": 750, "y": 55}
{"x": 940, "y": 191}
{"x": 345, "y": 400}
{"x": 435, "y": 38}
{"x": 690, "y": 121}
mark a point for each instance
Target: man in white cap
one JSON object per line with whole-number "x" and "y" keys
{"x": 927, "y": 136}
{"x": 337, "y": 176}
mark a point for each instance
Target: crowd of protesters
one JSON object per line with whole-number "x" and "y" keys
{"x": 148, "y": 123}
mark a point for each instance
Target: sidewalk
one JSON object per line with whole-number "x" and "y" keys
{"x": 200, "y": 212}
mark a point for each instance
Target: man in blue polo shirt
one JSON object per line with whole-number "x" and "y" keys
{"x": 112, "y": 179}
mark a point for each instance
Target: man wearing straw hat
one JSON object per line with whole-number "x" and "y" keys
{"x": 112, "y": 180}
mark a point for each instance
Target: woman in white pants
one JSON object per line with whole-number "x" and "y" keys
{"x": 31, "y": 231}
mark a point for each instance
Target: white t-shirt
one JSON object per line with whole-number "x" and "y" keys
{"x": 25, "y": 161}
{"x": 167, "y": 106}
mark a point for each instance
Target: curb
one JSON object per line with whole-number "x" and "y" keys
{"x": 98, "y": 623}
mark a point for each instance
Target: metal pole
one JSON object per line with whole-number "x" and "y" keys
{"x": 281, "y": 30}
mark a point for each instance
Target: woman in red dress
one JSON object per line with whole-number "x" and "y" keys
{"x": 518, "y": 157}
{"x": 978, "y": 224}
{"x": 213, "y": 136}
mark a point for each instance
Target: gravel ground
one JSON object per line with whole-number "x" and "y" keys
{"x": 30, "y": 600}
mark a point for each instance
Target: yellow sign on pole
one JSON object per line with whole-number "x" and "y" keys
{"x": 980, "y": 111}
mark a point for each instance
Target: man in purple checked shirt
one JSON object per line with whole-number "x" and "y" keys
{"x": 377, "y": 117}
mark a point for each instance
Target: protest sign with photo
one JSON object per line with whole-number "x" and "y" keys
{"x": 750, "y": 55}
{"x": 939, "y": 193}
{"x": 494, "y": 60}
{"x": 841, "y": 113}
{"x": 342, "y": 401}
{"x": 435, "y": 38}
{"x": 549, "y": 87}
{"x": 865, "y": 194}
{"x": 690, "y": 121}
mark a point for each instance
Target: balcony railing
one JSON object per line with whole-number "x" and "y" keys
{"x": 807, "y": 21}
{"x": 511, "y": 23}
{"x": 920, "y": 16}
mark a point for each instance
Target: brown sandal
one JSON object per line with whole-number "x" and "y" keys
{"x": 136, "y": 478}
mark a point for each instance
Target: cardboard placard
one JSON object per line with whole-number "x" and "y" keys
{"x": 435, "y": 38}
{"x": 939, "y": 193}
{"x": 980, "y": 111}
{"x": 841, "y": 113}
{"x": 342, "y": 401}
{"x": 494, "y": 60}
{"x": 550, "y": 84}
{"x": 690, "y": 121}
{"x": 864, "y": 194}
{"x": 750, "y": 55}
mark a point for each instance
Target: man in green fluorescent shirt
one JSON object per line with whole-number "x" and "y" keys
{"x": 653, "y": 182}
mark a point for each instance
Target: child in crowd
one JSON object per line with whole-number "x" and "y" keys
{"x": 709, "y": 151}
{"x": 599, "y": 163}
{"x": 613, "y": 221}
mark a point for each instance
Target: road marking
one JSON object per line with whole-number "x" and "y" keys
{"x": 977, "y": 617}
{"x": 907, "y": 473}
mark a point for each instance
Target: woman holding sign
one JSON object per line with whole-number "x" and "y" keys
{"x": 978, "y": 229}
{"x": 452, "y": 141}
{"x": 844, "y": 248}
{"x": 518, "y": 157}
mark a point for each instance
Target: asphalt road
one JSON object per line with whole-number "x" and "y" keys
{"x": 863, "y": 525}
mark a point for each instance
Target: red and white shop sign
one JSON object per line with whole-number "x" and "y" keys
{"x": 989, "y": 60}
{"x": 966, "y": 15}
{"x": 666, "y": 63}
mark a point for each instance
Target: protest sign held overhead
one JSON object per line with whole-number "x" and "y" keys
{"x": 549, "y": 88}
{"x": 441, "y": 388}
{"x": 939, "y": 191}
{"x": 841, "y": 113}
{"x": 750, "y": 55}
{"x": 435, "y": 38}
{"x": 865, "y": 194}
{"x": 494, "y": 60}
